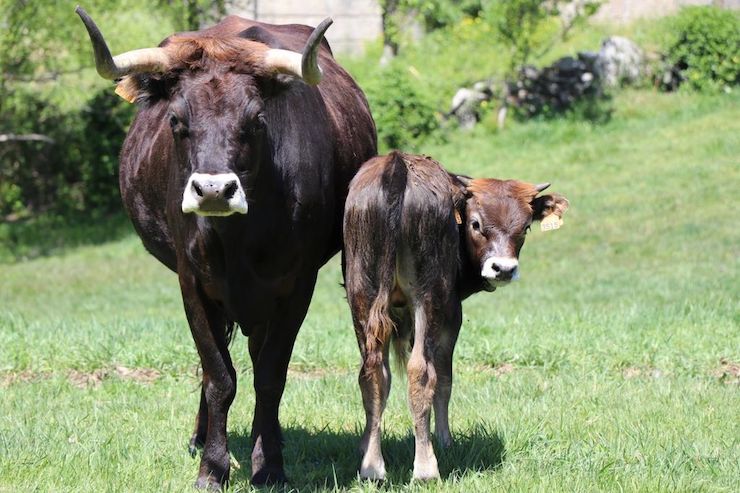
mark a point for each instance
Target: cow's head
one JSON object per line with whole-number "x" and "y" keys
{"x": 212, "y": 87}
{"x": 498, "y": 214}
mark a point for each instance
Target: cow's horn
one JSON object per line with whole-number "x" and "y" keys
{"x": 109, "y": 67}
{"x": 541, "y": 187}
{"x": 306, "y": 65}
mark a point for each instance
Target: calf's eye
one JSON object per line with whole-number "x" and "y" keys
{"x": 475, "y": 225}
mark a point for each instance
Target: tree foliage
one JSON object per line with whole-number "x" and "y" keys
{"x": 61, "y": 126}
{"x": 705, "y": 46}
{"x": 521, "y": 25}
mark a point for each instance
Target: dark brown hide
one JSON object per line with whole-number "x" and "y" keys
{"x": 294, "y": 149}
{"x": 408, "y": 265}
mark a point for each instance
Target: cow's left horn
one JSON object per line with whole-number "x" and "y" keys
{"x": 109, "y": 67}
{"x": 541, "y": 187}
{"x": 306, "y": 65}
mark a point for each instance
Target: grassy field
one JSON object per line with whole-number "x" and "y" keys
{"x": 612, "y": 365}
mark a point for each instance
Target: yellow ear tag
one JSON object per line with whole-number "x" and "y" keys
{"x": 123, "y": 91}
{"x": 458, "y": 217}
{"x": 551, "y": 222}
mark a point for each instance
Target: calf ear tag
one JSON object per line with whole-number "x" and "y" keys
{"x": 551, "y": 222}
{"x": 458, "y": 217}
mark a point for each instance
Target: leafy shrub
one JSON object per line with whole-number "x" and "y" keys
{"x": 404, "y": 114}
{"x": 706, "y": 47}
{"x": 76, "y": 168}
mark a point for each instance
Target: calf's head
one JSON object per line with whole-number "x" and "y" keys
{"x": 498, "y": 214}
{"x": 210, "y": 89}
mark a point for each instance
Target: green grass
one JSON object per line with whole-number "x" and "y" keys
{"x": 602, "y": 369}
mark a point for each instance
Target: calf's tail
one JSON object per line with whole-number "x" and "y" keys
{"x": 393, "y": 183}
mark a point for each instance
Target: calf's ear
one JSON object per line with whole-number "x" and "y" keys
{"x": 545, "y": 205}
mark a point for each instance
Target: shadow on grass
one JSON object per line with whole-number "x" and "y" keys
{"x": 328, "y": 459}
{"x": 51, "y": 234}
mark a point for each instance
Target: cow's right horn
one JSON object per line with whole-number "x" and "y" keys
{"x": 109, "y": 67}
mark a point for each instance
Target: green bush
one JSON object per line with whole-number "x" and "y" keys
{"x": 404, "y": 114}
{"x": 705, "y": 46}
{"x": 77, "y": 170}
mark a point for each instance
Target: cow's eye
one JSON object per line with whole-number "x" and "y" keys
{"x": 178, "y": 126}
{"x": 475, "y": 225}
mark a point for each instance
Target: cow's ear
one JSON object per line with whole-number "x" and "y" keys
{"x": 462, "y": 183}
{"x": 545, "y": 205}
{"x": 142, "y": 88}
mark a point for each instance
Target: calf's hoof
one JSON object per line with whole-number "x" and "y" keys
{"x": 373, "y": 471}
{"x": 426, "y": 471}
{"x": 269, "y": 476}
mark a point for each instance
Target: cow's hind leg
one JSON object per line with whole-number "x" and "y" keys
{"x": 445, "y": 346}
{"x": 375, "y": 383}
{"x": 198, "y": 438}
{"x": 208, "y": 328}
{"x": 375, "y": 376}
{"x": 270, "y": 351}
{"x": 422, "y": 380}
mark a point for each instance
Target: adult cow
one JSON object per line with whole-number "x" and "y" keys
{"x": 234, "y": 174}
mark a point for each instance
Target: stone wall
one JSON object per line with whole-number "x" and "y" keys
{"x": 355, "y": 21}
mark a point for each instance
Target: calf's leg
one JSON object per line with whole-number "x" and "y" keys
{"x": 375, "y": 375}
{"x": 375, "y": 383}
{"x": 422, "y": 380}
{"x": 445, "y": 346}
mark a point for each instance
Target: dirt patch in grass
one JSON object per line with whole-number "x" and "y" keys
{"x": 728, "y": 372}
{"x": 498, "y": 369}
{"x": 315, "y": 373}
{"x": 13, "y": 377}
{"x": 95, "y": 378}
{"x": 642, "y": 372}
{"x": 82, "y": 379}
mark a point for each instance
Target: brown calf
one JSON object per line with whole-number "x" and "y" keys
{"x": 417, "y": 241}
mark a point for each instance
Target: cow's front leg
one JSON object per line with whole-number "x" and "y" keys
{"x": 208, "y": 328}
{"x": 270, "y": 350}
{"x": 422, "y": 380}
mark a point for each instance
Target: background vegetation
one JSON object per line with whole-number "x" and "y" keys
{"x": 613, "y": 365}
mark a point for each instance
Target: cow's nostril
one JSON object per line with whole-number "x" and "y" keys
{"x": 230, "y": 190}
{"x": 197, "y": 189}
{"x": 496, "y": 267}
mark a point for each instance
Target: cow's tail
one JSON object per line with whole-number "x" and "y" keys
{"x": 380, "y": 324}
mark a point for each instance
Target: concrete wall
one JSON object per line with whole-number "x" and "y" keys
{"x": 358, "y": 21}
{"x": 355, "y": 21}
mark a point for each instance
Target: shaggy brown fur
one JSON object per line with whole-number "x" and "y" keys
{"x": 408, "y": 266}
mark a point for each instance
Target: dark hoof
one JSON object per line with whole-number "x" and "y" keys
{"x": 266, "y": 477}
